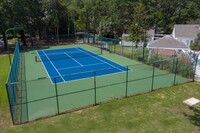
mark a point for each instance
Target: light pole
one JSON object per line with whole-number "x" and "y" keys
{"x": 16, "y": 27}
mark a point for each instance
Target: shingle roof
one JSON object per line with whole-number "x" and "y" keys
{"x": 167, "y": 42}
{"x": 188, "y": 31}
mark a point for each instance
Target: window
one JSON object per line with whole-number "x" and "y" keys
{"x": 187, "y": 42}
{"x": 191, "y": 42}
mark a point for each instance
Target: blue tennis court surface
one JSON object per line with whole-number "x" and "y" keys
{"x": 76, "y": 63}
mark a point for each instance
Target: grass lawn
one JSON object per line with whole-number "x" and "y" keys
{"x": 4, "y": 108}
{"x": 158, "y": 111}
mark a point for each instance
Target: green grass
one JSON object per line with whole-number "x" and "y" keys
{"x": 4, "y": 108}
{"x": 158, "y": 111}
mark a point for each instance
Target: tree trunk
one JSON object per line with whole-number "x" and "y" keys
{"x": 57, "y": 33}
{"x": 31, "y": 36}
{"x": 87, "y": 25}
{"x": 5, "y": 41}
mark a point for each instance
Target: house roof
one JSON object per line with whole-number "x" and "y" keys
{"x": 167, "y": 42}
{"x": 187, "y": 31}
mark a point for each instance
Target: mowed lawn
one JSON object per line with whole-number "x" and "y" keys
{"x": 158, "y": 111}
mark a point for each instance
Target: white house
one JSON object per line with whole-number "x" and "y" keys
{"x": 185, "y": 33}
{"x": 166, "y": 46}
{"x": 150, "y": 38}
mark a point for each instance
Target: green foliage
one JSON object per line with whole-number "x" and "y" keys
{"x": 184, "y": 66}
{"x": 138, "y": 27}
{"x": 138, "y": 54}
{"x": 196, "y": 44}
{"x": 110, "y": 17}
{"x": 106, "y": 28}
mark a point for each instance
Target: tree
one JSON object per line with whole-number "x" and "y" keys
{"x": 138, "y": 28}
{"x": 196, "y": 44}
{"x": 164, "y": 13}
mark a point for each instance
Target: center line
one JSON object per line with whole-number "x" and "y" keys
{"x": 73, "y": 59}
{"x": 80, "y": 66}
{"x": 53, "y": 66}
{"x": 99, "y": 59}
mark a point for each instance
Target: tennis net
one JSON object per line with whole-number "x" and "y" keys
{"x": 65, "y": 55}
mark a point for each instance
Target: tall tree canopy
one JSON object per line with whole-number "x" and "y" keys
{"x": 106, "y": 17}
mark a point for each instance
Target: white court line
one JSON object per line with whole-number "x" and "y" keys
{"x": 79, "y": 66}
{"x": 90, "y": 77}
{"x": 53, "y": 66}
{"x": 73, "y": 59}
{"x": 44, "y": 67}
{"x": 100, "y": 59}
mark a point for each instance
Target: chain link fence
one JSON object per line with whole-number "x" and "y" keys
{"x": 30, "y": 100}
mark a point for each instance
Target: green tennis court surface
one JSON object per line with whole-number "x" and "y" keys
{"x": 41, "y": 98}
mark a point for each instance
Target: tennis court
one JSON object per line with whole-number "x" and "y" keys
{"x": 66, "y": 78}
{"x": 60, "y": 63}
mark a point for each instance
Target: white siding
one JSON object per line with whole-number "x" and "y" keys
{"x": 130, "y": 43}
{"x": 186, "y": 41}
{"x": 173, "y": 33}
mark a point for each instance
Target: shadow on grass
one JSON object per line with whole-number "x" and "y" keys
{"x": 194, "y": 116}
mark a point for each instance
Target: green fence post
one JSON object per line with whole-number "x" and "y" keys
{"x": 9, "y": 57}
{"x": 132, "y": 51}
{"x": 173, "y": 66}
{"x": 114, "y": 48}
{"x": 10, "y": 106}
{"x": 56, "y": 95}
{"x": 26, "y": 101}
{"x": 83, "y": 38}
{"x": 95, "y": 89}
{"x": 152, "y": 85}
{"x": 175, "y": 71}
{"x": 126, "y": 81}
{"x": 122, "y": 49}
{"x": 101, "y": 47}
{"x": 94, "y": 38}
{"x": 25, "y": 83}
{"x": 88, "y": 38}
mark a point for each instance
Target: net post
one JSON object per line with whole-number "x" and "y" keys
{"x": 153, "y": 74}
{"x": 35, "y": 58}
{"x": 127, "y": 81}
{"x": 56, "y": 89}
{"x": 95, "y": 89}
{"x": 175, "y": 71}
{"x": 101, "y": 49}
